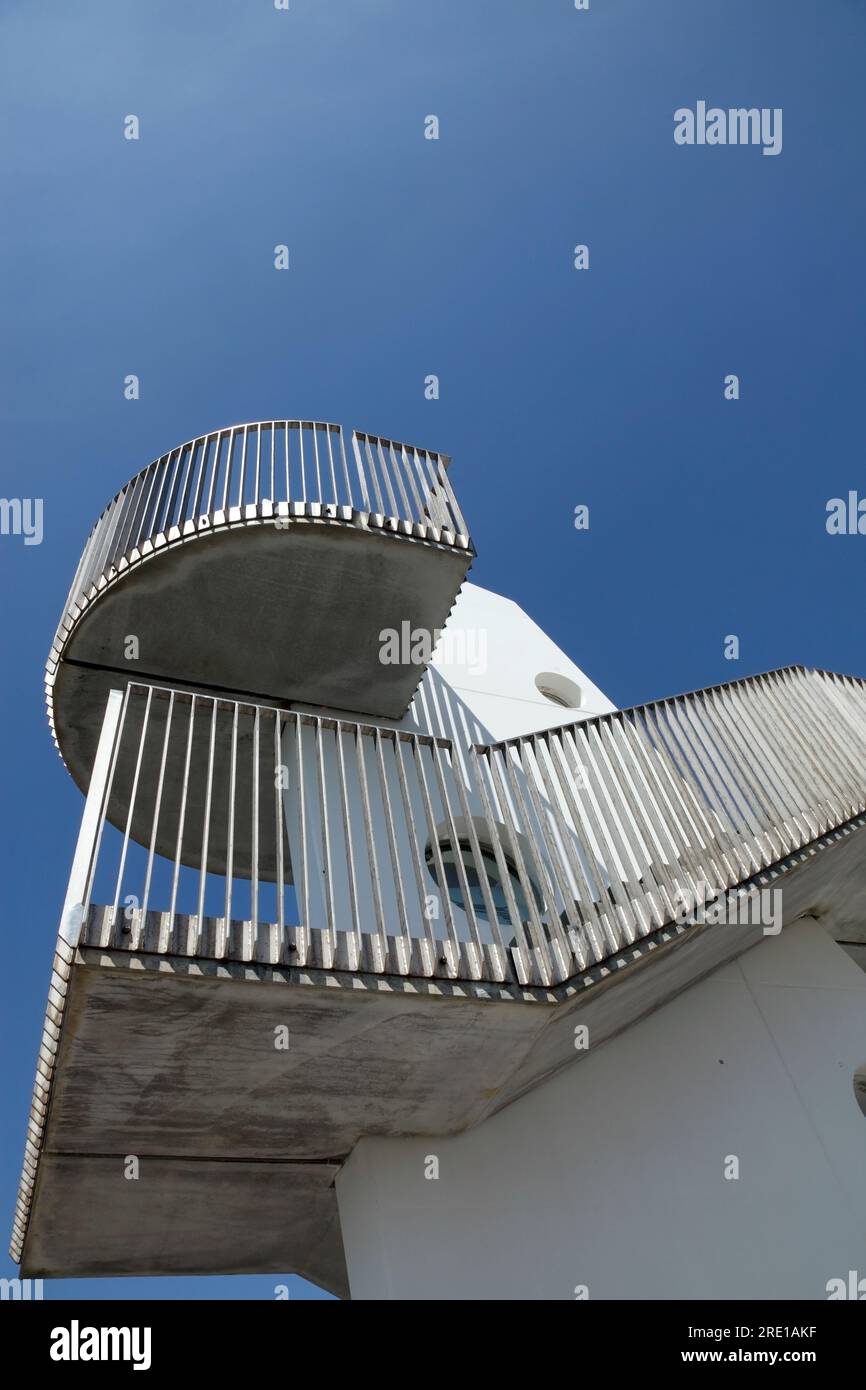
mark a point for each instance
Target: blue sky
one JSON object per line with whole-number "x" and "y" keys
{"x": 454, "y": 257}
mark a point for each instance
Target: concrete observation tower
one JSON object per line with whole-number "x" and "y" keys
{"x": 430, "y": 975}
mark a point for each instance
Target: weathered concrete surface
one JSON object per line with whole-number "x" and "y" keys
{"x": 174, "y": 1060}
{"x": 174, "y": 1063}
{"x": 186, "y": 1218}
{"x": 181, "y": 1070}
{"x": 288, "y": 614}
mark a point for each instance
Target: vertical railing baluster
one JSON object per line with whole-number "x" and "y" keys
{"x": 462, "y": 876}
{"x": 185, "y": 487}
{"x": 140, "y": 529}
{"x": 175, "y": 878}
{"x": 243, "y": 469}
{"x": 374, "y": 477}
{"x": 157, "y": 808}
{"x": 151, "y": 521}
{"x": 200, "y": 455}
{"x": 539, "y": 936}
{"x": 350, "y": 497}
{"x": 121, "y": 868}
{"x": 278, "y": 828}
{"x": 418, "y": 746}
{"x": 257, "y": 492}
{"x": 334, "y": 498}
{"x": 434, "y": 507}
{"x": 301, "y": 868}
{"x": 79, "y": 888}
{"x": 315, "y": 433}
{"x": 210, "y": 465}
{"x": 362, "y": 477}
{"x": 122, "y": 542}
{"x": 205, "y": 831}
{"x": 478, "y": 857}
{"x": 386, "y": 479}
{"x": 381, "y": 932}
{"x": 457, "y": 523}
{"x": 393, "y": 849}
{"x": 325, "y": 829}
{"x": 228, "y": 473}
{"x": 481, "y": 769}
{"x": 254, "y": 846}
{"x": 357, "y": 936}
{"x": 583, "y": 904}
{"x": 230, "y": 829}
{"x": 303, "y": 497}
{"x": 412, "y": 481}
{"x": 419, "y": 864}
{"x": 165, "y": 523}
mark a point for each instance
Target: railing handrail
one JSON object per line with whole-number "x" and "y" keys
{"x": 262, "y": 473}
{"x": 213, "y": 434}
{"x": 547, "y": 854}
{"x": 297, "y": 424}
{"x": 607, "y": 715}
{"x": 412, "y": 495}
{"x": 445, "y": 459}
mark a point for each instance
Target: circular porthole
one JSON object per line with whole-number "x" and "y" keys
{"x": 463, "y": 853}
{"x": 860, "y": 1087}
{"x": 559, "y": 690}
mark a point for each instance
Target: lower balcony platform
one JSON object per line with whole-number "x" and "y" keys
{"x": 170, "y": 1055}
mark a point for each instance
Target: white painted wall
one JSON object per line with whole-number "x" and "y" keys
{"x": 611, "y": 1175}
{"x": 499, "y": 691}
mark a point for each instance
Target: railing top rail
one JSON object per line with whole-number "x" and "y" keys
{"x": 216, "y": 434}
{"x": 444, "y": 459}
{"x": 298, "y": 424}
{"x": 597, "y": 719}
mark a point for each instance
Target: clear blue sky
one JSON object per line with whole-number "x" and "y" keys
{"x": 411, "y": 257}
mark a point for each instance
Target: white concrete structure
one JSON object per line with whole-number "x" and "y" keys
{"x": 492, "y": 692}
{"x": 713, "y": 1151}
{"x": 341, "y": 907}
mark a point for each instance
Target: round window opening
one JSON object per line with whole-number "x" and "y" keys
{"x": 464, "y": 855}
{"x": 559, "y": 690}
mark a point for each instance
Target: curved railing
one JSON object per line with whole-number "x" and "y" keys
{"x": 269, "y": 469}
{"x": 265, "y": 471}
{"x": 639, "y": 818}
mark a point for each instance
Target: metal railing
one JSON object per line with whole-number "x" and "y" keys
{"x": 295, "y": 839}
{"x": 631, "y": 819}
{"x": 308, "y": 841}
{"x": 265, "y": 471}
{"x": 565, "y": 846}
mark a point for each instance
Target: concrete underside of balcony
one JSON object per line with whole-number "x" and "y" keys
{"x": 173, "y": 1060}
{"x": 290, "y": 614}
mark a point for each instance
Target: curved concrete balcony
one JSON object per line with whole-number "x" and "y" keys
{"x": 259, "y": 560}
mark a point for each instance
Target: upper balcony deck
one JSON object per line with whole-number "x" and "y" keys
{"x": 262, "y": 560}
